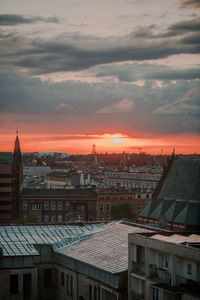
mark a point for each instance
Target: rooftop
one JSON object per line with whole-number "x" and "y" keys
{"x": 179, "y": 198}
{"x": 182, "y": 238}
{"x": 19, "y": 240}
{"x": 107, "y": 249}
{"x": 58, "y": 193}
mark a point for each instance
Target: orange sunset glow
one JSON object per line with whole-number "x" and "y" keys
{"x": 117, "y": 142}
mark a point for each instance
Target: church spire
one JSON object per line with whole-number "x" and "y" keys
{"x": 17, "y": 150}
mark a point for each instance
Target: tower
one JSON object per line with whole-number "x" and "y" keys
{"x": 17, "y": 175}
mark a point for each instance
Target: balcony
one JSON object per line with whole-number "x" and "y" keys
{"x": 160, "y": 274}
{"x": 138, "y": 268}
{"x": 135, "y": 296}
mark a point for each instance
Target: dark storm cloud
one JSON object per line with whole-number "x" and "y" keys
{"x": 192, "y": 25}
{"x": 12, "y": 20}
{"x": 55, "y": 57}
{"x": 167, "y": 106}
{"x": 72, "y": 52}
{"x": 175, "y": 30}
{"x": 133, "y": 72}
{"x": 190, "y": 3}
{"x": 191, "y": 39}
{"x": 188, "y": 74}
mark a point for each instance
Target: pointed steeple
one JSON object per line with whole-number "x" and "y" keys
{"x": 17, "y": 150}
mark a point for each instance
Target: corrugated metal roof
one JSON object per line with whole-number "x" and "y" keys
{"x": 19, "y": 240}
{"x": 106, "y": 250}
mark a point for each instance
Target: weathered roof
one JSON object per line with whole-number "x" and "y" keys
{"x": 179, "y": 197}
{"x": 42, "y": 193}
{"x": 6, "y": 158}
{"x": 182, "y": 181}
{"x": 19, "y": 240}
{"x": 178, "y": 238}
{"x": 106, "y": 250}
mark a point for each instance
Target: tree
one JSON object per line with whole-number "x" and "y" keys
{"x": 121, "y": 211}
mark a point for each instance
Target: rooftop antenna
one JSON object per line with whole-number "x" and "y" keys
{"x": 17, "y": 131}
{"x": 93, "y": 149}
{"x": 139, "y": 150}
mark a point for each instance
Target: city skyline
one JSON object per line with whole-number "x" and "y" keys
{"x": 122, "y": 75}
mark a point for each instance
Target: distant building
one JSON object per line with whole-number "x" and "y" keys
{"x": 58, "y": 205}
{"x": 114, "y": 161}
{"x": 176, "y": 202}
{"x": 107, "y": 198}
{"x": 58, "y": 179}
{"x": 164, "y": 265}
{"x": 128, "y": 180}
{"x": 11, "y": 183}
{"x": 36, "y": 170}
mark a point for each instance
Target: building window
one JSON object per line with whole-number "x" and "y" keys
{"x": 60, "y": 218}
{"x": 67, "y": 284}
{"x": 46, "y": 205}
{"x": 38, "y": 219}
{"x": 189, "y": 269}
{"x": 46, "y": 218}
{"x": 107, "y": 218}
{"x": 27, "y": 285}
{"x": 35, "y": 206}
{"x": 108, "y": 207}
{"x": 164, "y": 261}
{"x": 47, "y": 277}
{"x": 155, "y": 294}
{"x": 60, "y": 206}
{"x": 62, "y": 279}
{"x": 101, "y": 219}
{"x": 53, "y": 206}
{"x": 53, "y": 219}
{"x": 67, "y": 206}
{"x": 25, "y": 205}
{"x": 14, "y": 284}
{"x": 139, "y": 207}
{"x": 90, "y": 292}
{"x": 147, "y": 196}
{"x": 71, "y": 285}
{"x": 139, "y": 196}
{"x": 80, "y": 218}
{"x": 101, "y": 207}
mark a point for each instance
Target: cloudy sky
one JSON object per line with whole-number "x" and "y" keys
{"x": 120, "y": 74}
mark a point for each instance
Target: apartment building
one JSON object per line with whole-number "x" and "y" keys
{"x": 164, "y": 266}
{"x": 107, "y": 198}
{"x": 128, "y": 180}
{"x": 58, "y": 205}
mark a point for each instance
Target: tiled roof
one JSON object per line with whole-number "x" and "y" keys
{"x": 107, "y": 249}
{"x": 179, "y": 197}
{"x": 58, "y": 192}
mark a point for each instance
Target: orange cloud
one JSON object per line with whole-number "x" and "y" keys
{"x": 116, "y": 142}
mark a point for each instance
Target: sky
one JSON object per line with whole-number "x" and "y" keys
{"x": 123, "y": 75}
